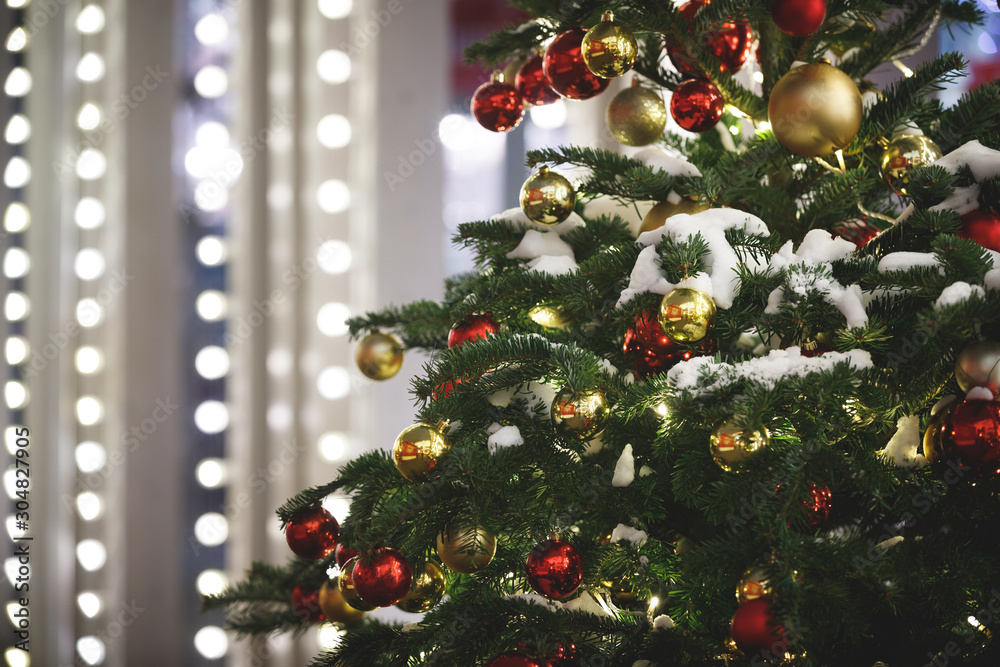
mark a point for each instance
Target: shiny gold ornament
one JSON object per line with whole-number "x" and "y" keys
{"x": 636, "y": 116}
{"x": 345, "y": 584}
{"x": 549, "y": 316}
{"x": 932, "y": 436}
{"x": 622, "y": 597}
{"x": 427, "y": 590}
{"x": 379, "y": 355}
{"x": 547, "y": 197}
{"x": 609, "y": 49}
{"x": 417, "y": 450}
{"x": 732, "y": 444}
{"x": 334, "y": 606}
{"x": 978, "y": 365}
{"x": 754, "y": 583}
{"x": 687, "y": 315}
{"x": 583, "y": 414}
{"x": 658, "y": 215}
{"x": 466, "y": 548}
{"x": 904, "y": 154}
{"x": 814, "y": 110}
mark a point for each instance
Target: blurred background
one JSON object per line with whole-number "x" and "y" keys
{"x": 197, "y": 194}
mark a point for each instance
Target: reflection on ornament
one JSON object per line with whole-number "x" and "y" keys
{"x": 547, "y": 197}
{"x": 554, "y": 569}
{"x": 481, "y": 325}
{"x": 418, "y": 449}
{"x": 582, "y": 414}
{"x": 733, "y": 444}
{"x": 754, "y": 583}
{"x": 730, "y": 42}
{"x": 382, "y": 578}
{"x": 814, "y": 110}
{"x": 345, "y": 584}
{"x": 904, "y": 154}
{"x": 335, "y": 608}
{"x": 466, "y": 548}
{"x": 636, "y": 116}
{"x": 344, "y": 554}
{"x": 609, "y": 49}
{"x": 982, "y": 225}
{"x": 970, "y": 436}
{"x": 649, "y": 350}
{"x": 932, "y": 436}
{"x": 658, "y": 215}
{"x": 427, "y": 590}
{"x": 858, "y": 232}
{"x": 686, "y": 314}
{"x": 798, "y": 18}
{"x": 379, "y": 356}
{"x": 312, "y": 533}
{"x": 754, "y": 629}
{"x": 978, "y": 365}
{"x": 532, "y": 84}
{"x": 549, "y": 316}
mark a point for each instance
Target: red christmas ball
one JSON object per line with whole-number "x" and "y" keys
{"x": 497, "y": 106}
{"x": 982, "y": 226}
{"x": 555, "y": 569}
{"x": 857, "y": 232}
{"x": 517, "y": 660}
{"x": 305, "y": 605}
{"x": 383, "y": 578}
{"x": 532, "y": 84}
{"x": 798, "y": 18}
{"x": 343, "y": 554}
{"x": 753, "y": 628}
{"x": 730, "y": 42}
{"x": 312, "y": 533}
{"x": 471, "y": 328}
{"x": 697, "y": 105}
{"x": 651, "y": 351}
{"x": 817, "y": 505}
{"x": 970, "y": 436}
{"x": 566, "y": 71}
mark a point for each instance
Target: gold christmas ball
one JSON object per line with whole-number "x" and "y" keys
{"x": 815, "y": 110}
{"x": 427, "y": 590}
{"x": 636, "y": 116}
{"x": 547, "y": 197}
{"x": 622, "y": 597}
{"x": 549, "y": 316}
{"x": 754, "y": 583}
{"x": 583, "y": 414}
{"x": 932, "y": 436}
{"x": 417, "y": 450}
{"x": 904, "y": 154}
{"x": 345, "y": 584}
{"x": 465, "y": 547}
{"x": 333, "y": 605}
{"x": 379, "y": 355}
{"x": 978, "y": 365}
{"x": 609, "y": 49}
{"x": 732, "y": 444}
{"x": 687, "y": 315}
{"x": 658, "y": 215}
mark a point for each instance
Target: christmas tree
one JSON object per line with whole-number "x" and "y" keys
{"x": 729, "y": 400}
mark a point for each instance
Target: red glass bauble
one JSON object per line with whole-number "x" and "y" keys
{"x": 753, "y": 628}
{"x": 497, "y": 106}
{"x": 312, "y": 533}
{"x": 731, "y": 43}
{"x": 798, "y": 18}
{"x": 649, "y": 350}
{"x": 982, "y": 226}
{"x": 305, "y": 605}
{"x": 696, "y": 105}
{"x": 343, "y": 554}
{"x": 532, "y": 84}
{"x": 471, "y": 328}
{"x": 517, "y": 660}
{"x": 970, "y": 436}
{"x": 383, "y": 578}
{"x": 857, "y": 232}
{"x": 555, "y": 569}
{"x": 566, "y": 71}
{"x": 563, "y": 656}
{"x": 817, "y": 505}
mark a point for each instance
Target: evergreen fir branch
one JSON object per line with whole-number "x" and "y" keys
{"x": 975, "y": 114}
{"x": 422, "y": 324}
{"x": 305, "y": 499}
{"x": 891, "y": 40}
